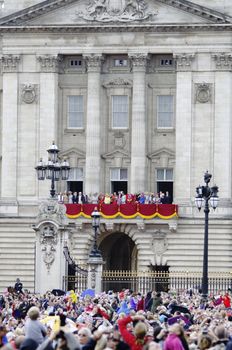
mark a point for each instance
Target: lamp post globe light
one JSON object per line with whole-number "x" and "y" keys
{"x": 204, "y": 196}
{"x": 53, "y": 170}
{"x": 95, "y": 252}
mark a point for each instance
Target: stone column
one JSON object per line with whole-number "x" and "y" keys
{"x": 10, "y": 66}
{"x": 183, "y": 191}
{"x": 47, "y": 133}
{"x": 138, "y": 176}
{"x": 93, "y": 160}
{"x": 221, "y": 152}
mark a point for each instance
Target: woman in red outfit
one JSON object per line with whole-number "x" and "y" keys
{"x": 138, "y": 338}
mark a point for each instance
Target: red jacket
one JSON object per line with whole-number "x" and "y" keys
{"x": 128, "y": 337}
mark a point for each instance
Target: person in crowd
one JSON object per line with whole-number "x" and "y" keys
{"x": 84, "y": 336}
{"x": 70, "y": 195}
{"x": 156, "y": 301}
{"x": 138, "y": 338}
{"x": 34, "y": 329}
{"x": 173, "y": 340}
{"x": 18, "y": 286}
{"x": 75, "y": 197}
{"x": 107, "y": 199}
{"x": 142, "y": 198}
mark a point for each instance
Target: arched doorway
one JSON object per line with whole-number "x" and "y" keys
{"x": 120, "y": 254}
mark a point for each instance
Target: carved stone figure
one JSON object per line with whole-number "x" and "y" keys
{"x": 116, "y": 11}
{"x": 48, "y": 241}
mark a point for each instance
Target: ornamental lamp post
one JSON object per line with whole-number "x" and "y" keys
{"x": 53, "y": 170}
{"x": 95, "y": 252}
{"x": 206, "y": 195}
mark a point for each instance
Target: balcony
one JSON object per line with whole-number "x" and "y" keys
{"x": 126, "y": 211}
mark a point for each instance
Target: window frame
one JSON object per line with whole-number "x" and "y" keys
{"x": 73, "y": 92}
{"x": 112, "y": 112}
{"x": 171, "y": 127}
{"x": 165, "y": 175}
{"x": 81, "y": 178}
{"x": 119, "y": 173}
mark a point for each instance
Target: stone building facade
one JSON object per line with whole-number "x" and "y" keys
{"x": 137, "y": 95}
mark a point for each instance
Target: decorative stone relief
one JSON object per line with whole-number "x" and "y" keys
{"x": 141, "y": 226}
{"x": 49, "y": 63}
{"x": 203, "y": 93}
{"x": 10, "y": 63}
{"x": 79, "y": 226}
{"x": 159, "y": 245}
{"x": 29, "y": 93}
{"x": 117, "y": 82}
{"x": 48, "y": 241}
{"x": 222, "y": 60}
{"x": 119, "y": 140}
{"x": 184, "y": 61}
{"x": 109, "y": 226}
{"x": 93, "y": 62}
{"x": 93, "y": 273}
{"x": 172, "y": 226}
{"x": 116, "y": 11}
{"x": 52, "y": 210}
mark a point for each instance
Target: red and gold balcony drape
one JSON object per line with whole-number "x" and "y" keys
{"x": 126, "y": 211}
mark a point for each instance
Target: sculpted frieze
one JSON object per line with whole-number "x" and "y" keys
{"x": 116, "y": 11}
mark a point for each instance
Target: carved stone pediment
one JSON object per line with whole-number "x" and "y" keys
{"x": 52, "y": 12}
{"x": 163, "y": 157}
{"x": 72, "y": 152}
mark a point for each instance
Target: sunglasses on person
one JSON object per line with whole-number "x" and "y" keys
{"x": 82, "y": 335}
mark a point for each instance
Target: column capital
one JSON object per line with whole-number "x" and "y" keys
{"x": 139, "y": 60}
{"x": 223, "y": 61}
{"x": 49, "y": 63}
{"x": 184, "y": 61}
{"x": 93, "y": 62}
{"x": 10, "y": 63}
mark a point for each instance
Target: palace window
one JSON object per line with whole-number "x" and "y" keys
{"x": 165, "y": 111}
{"x": 165, "y": 174}
{"x": 76, "y": 174}
{"x": 119, "y": 111}
{"x": 118, "y": 174}
{"x": 75, "y": 111}
{"x": 166, "y": 62}
{"x": 120, "y": 63}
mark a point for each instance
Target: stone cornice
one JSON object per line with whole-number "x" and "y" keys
{"x": 150, "y": 28}
{"x": 199, "y": 10}
{"x": 22, "y": 17}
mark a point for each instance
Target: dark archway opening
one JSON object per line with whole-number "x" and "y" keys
{"x": 120, "y": 254}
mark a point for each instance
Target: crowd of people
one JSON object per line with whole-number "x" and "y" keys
{"x": 114, "y": 320}
{"x": 119, "y": 198}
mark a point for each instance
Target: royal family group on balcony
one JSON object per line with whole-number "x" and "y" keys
{"x": 117, "y": 198}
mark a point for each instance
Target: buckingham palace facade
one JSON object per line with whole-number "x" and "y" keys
{"x": 137, "y": 95}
